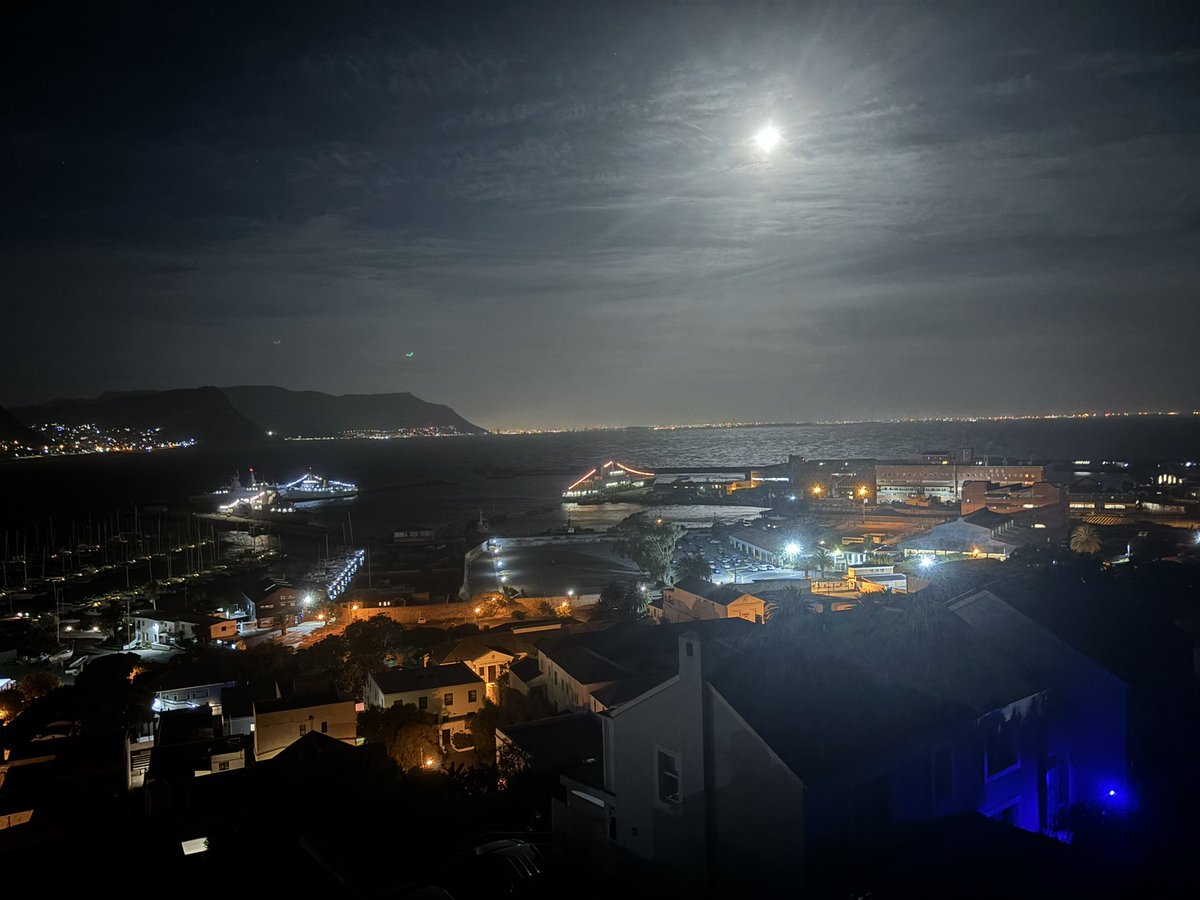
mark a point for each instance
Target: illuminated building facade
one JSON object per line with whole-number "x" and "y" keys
{"x": 611, "y": 478}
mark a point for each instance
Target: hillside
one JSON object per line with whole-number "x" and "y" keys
{"x": 202, "y": 413}
{"x": 314, "y": 414}
{"x": 12, "y": 430}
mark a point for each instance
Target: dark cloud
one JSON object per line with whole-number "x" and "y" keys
{"x": 563, "y": 207}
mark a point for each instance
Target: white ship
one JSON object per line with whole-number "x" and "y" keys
{"x": 311, "y": 488}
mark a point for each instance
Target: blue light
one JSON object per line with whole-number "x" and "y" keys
{"x": 1112, "y": 793}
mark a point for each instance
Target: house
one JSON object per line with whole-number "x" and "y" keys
{"x": 277, "y": 602}
{"x": 191, "y": 686}
{"x": 237, "y": 704}
{"x": 525, "y": 677}
{"x": 191, "y": 743}
{"x": 280, "y": 722}
{"x": 173, "y": 629}
{"x": 794, "y": 742}
{"x": 545, "y": 745}
{"x": 598, "y": 670}
{"x": 452, "y": 693}
{"x": 488, "y": 660}
{"x": 872, "y": 579}
{"x": 692, "y": 599}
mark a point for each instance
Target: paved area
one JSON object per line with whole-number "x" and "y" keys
{"x": 552, "y": 571}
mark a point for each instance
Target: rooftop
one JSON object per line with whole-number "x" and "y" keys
{"x": 575, "y": 737}
{"x": 826, "y": 691}
{"x": 400, "y": 681}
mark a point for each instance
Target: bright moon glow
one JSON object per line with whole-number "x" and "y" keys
{"x": 768, "y": 139}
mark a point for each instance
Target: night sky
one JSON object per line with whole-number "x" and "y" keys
{"x": 561, "y": 212}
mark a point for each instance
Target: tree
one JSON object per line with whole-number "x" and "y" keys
{"x": 822, "y": 559}
{"x": 693, "y": 567}
{"x": 1085, "y": 540}
{"x": 39, "y": 684}
{"x": 12, "y": 703}
{"x": 409, "y": 735}
{"x": 482, "y": 726}
{"x": 622, "y": 602}
{"x": 649, "y": 543}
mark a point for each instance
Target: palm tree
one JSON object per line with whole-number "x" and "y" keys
{"x": 1085, "y": 540}
{"x": 693, "y": 567}
{"x": 822, "y": 559}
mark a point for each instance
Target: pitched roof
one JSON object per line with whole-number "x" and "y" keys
{"x": 575, "y": 737}
{"x": 462, "y": 649}
{"x": 827, "y": 691}
{"x": 986, "y": 518}
{"x": 399, "y": 681}
{"x": 633, "y": 650}
{"x": 525, "y": 669}
{"x": 301, "y": 700}
{"x": 723, "y": 594}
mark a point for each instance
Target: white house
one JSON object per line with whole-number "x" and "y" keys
{"x": 281, "y": 722}
{"x": 451, "y": 692}
{"x": 171, "y": 629}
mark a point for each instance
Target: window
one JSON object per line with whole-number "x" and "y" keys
{"x": 423, "y": 703}
{"x": 943, "y": 774}
{"x": 668, "y": 777}
{"x": 448, "y": 699}
{"x": 303, "y": 728}
{"x": 324, "y": 728}
{"x": 472, "y": 696}
{"x": 223, "y": 767}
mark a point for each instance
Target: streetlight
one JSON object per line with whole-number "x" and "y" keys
{"x": 816, "y": 489}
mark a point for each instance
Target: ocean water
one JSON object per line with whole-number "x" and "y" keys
{"x": 429, "y": 481}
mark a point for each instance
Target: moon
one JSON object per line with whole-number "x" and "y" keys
{"x": 768, "y": 138}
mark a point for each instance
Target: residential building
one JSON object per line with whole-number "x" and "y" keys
{"x": 278, "y": 602}
{"x": 525, "y": 677}
{"x": 798, "y": 743}
{"x": 173, "y": 629}
{"x": 692, "y": 599}
{"x": 871, "y": 579}
{"x": 599, "y": 670}
{"x": 487, "y": 660}
{"x": 281, "y": 722}
{"x": 452, "y": 693}
{"x": 545, "y": 745}
{"x": 191, "y": 686}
